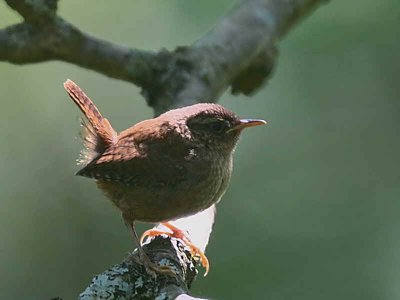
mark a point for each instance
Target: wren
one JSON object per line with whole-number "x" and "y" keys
{"x": 160, "y": 169}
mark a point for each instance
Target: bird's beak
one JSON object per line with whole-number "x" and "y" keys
{"x": 248, "y": 123}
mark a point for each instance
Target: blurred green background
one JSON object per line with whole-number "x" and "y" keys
{"x": 313, "y": 207}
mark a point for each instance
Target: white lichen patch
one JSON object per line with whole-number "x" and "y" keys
{"x": 104, "y": 286}
{"x": 139, "y": 282}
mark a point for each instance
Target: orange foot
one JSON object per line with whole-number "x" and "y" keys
{"x": 179, "y": 234}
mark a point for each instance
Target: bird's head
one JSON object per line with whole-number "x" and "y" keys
{"x": 212, "y": 126}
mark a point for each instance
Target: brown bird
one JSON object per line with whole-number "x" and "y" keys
{"x": 160, "y": 169}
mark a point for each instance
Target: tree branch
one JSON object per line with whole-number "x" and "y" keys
{"x": 129, "y": 279}
{"x": 239, "y": 52}
{"x": 44, "y": 36}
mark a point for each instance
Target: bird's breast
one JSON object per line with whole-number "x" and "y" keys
{"x": 203, "y": 184}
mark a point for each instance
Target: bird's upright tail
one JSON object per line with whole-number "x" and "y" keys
{"x": 97, "y": 133}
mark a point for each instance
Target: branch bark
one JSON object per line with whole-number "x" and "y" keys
{"x": 239, "y": 52}
{"x": 129, "y": 279}
{"x": 44, "y": 36}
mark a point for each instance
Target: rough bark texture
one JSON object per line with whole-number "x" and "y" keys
{"x": 239, "y": 52}
{"x": 129, "y": 280}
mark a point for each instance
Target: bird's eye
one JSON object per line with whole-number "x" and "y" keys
{"x": 218, "y": 126}
{"x": 208, "y": 125}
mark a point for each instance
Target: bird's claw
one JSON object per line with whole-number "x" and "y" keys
{"x": 179, "y": 234}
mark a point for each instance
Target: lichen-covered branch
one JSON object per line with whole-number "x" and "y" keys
{"x": 239, "y": 52}
{"x": 129, "y": 279}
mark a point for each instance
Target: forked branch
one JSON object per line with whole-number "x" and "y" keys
{"x": 239, "y": 52}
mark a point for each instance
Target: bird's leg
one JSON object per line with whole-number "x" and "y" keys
{"x": 142, "y": 255}
{"x": 151, "y": 267}
{"x": 179, "y": 234}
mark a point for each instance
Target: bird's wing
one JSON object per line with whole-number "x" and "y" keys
{"x": 150, "y": 161}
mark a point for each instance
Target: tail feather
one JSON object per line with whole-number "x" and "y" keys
{"x": 97, "y": 133}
